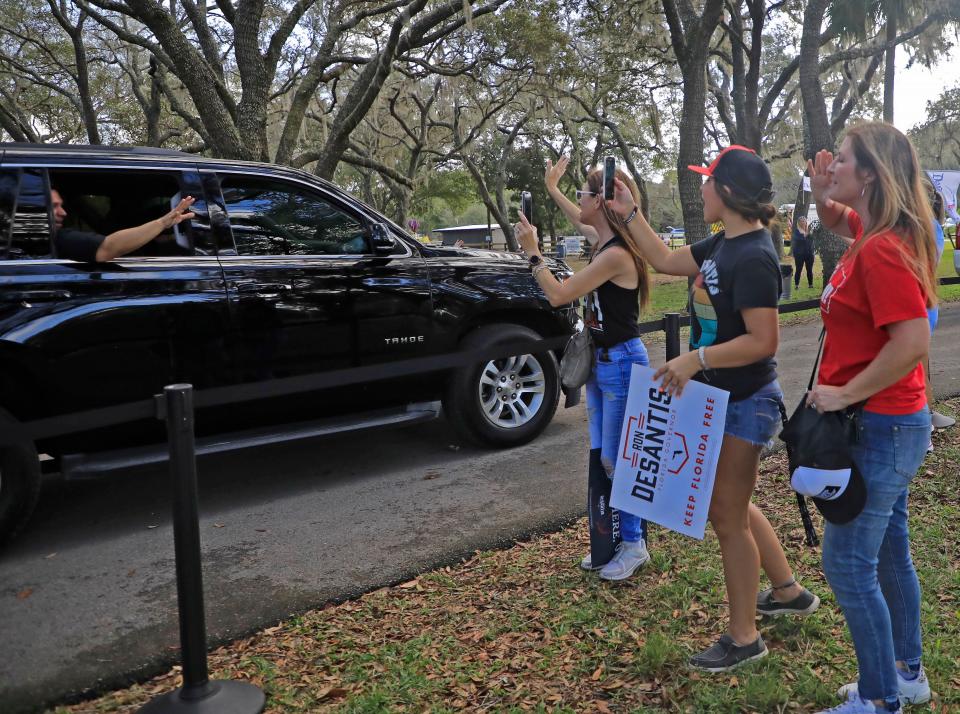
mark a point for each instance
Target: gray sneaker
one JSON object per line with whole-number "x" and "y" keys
{"x": 626, "y": 561}
{"x": 725, "y": 654}
{"x": 941, "y": 421}
{"x": 803, "y": 604}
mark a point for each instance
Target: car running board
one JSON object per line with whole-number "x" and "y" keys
{"x": 81, "y": 466}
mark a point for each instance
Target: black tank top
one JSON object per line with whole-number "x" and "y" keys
{"x": 612, "y": 312}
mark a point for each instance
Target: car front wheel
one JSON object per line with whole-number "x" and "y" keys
{"x": 503, "y": 402}
{"x": 19, "y": 483}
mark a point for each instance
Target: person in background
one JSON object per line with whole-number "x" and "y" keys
{"x": 874, "y": 309}
{"x": 937, "y": 420}
{"x": 734, "y": 333}
{"x": 89, "y": 247}
{"x": 616, "y": 283}
{"x": 776, "y": 235}
{"x": 802, "y": 252}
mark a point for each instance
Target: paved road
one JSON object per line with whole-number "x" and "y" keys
{"x": 87, "y": 596}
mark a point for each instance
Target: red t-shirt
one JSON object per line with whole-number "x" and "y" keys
{"x": 874, "y": 289}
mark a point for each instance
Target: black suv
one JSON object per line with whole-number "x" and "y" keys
{"x": 279, "y": 274}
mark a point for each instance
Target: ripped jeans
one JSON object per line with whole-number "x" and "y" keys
{"x": 606, "y": 405}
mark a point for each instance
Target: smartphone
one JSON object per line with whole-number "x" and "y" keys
{"x": 609, "y": 172}
{"x": 526, "y": 205}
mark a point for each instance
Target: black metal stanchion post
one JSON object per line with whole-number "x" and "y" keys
{"x": 671, "y": 325}
{"x": 198, "y": 694}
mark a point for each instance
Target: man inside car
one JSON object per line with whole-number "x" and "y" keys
{"x": 90, "y": 247}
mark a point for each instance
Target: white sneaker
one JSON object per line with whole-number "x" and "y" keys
{"x": 853, "y": 705}
{"x": 625, "y": 562}
{"x": 587, "y": 563}
{"x": 910, "y": 691}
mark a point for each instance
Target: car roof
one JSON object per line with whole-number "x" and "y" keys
{"x": 12, "y": 151}
{"x": 131, "y": 156}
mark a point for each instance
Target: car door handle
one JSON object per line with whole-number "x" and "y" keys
{"x": 246, "y": 288}
{"x": 35, "y": 295}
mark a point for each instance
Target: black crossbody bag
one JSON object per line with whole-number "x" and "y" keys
{"x": 842, "y": 428}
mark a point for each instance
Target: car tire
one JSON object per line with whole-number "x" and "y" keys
{"x": 471, "y": 399}
{"x": 19, "y": 483}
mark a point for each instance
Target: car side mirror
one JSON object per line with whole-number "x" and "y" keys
{"x": 382, "y": 239}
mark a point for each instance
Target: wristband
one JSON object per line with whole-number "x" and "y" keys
{"x": 538, "y": 268}
{"x": 702, "y": 356}
{"x": 633, "y": 214}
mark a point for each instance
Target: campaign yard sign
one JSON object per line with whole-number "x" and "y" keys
{"x": 668, "y": 454}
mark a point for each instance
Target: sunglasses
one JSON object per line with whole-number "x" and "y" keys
{"x": 581, "y": 194}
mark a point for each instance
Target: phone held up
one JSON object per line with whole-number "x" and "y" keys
{"x": 526, "y": 205}
{"x": 609, "y": 172}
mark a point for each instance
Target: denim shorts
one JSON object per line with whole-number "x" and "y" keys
{"x": 756, "y": 418}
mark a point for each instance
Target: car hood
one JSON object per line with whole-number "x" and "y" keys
{"x": 488, "y": 257}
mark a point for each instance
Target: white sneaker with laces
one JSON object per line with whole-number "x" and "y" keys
{"x": 910, "y": 691}
{"x": 625, "y": 562}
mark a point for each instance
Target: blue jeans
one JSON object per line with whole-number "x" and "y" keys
{"x": 867, "y": 561}
{"x": 606, "y": 405}
{"x": 756, "y": 418}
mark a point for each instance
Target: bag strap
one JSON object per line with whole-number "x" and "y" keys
{"x": 811, "y": 534}
{"x": 816, "y": 362}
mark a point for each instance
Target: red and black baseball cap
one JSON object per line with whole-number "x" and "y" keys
{"x": 743, "y": 171}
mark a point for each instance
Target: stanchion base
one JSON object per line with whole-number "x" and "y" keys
{"x": 226, "y": 697}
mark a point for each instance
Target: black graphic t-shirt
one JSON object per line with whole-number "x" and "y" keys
{"x": 735, "y": 274}
{"x": 612, "y": 312}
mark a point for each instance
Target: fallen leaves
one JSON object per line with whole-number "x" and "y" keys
{"x": 523, "y": 629}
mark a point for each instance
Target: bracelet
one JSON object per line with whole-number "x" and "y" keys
{"x": 702, "y": 356}
{"x": 633, "y": 214}
{"x": 538, "y": 268}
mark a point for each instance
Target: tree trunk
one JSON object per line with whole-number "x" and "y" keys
{"x": 690, "y": 36}
{"x": 890, "y": 69}
{"x": 83, "y": 82}
{"x": 814, "y": 103}
{"x": 825, "y": 243}
{"x": 197, "y": 77}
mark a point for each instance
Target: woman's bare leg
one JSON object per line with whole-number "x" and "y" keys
{"x": 772, "y": 558}
{"x": 730, "y": 517}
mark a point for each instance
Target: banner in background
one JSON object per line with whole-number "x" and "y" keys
{"x": 947, "y": 182}
{"x": 668, "y": 454}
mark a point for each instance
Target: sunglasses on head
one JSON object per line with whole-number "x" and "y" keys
{"x": 581, "y": 194}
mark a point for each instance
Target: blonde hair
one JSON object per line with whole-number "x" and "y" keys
{"x": 619, "y": 226}
{"x": 898, "y": 202}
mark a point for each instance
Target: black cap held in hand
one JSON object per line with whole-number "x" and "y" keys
{"x": 743, "y": 171}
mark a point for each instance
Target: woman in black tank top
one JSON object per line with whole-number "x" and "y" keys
{"x": 615, "y": 285}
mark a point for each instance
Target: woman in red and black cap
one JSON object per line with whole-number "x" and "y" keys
{"x": 734, "y": 331}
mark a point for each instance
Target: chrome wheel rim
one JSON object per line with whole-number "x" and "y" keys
{"x": 511, "y": 391}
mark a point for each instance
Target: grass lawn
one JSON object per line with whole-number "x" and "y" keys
{"x": 524, "y": 629}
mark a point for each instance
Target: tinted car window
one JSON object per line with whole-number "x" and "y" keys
{"x": 271, "y": 217}
{"x": 24, "y": 215}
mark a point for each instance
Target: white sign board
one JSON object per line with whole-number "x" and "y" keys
{"x": 806, "y": 184}
{"x": 571, "y": 245}
{"x": 947, "y": 182}
{"x": 668, "y": 454}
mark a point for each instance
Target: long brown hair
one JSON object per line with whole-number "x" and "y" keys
{"x": 618, "y": 226}
{"x": 897, "y": 200}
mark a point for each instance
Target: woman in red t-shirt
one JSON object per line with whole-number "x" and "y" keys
{"x": 875, "y": 313}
